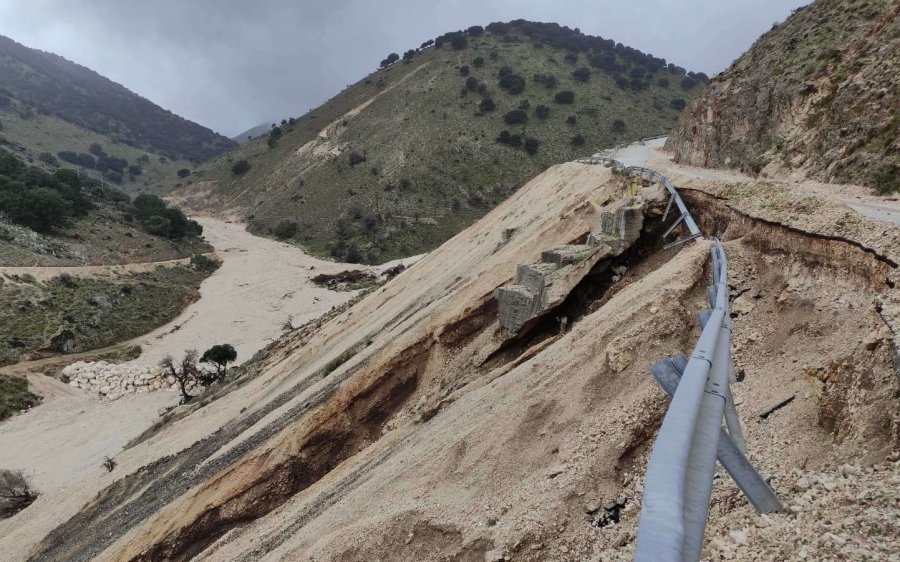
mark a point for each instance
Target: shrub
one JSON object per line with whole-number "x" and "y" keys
{"x": 678, "y": 104}
{"x": 158, "y": 226}
{"x": 478, "y": 62}
{"x": 513, "y": 83}
{"x": 202, "y": 262}
{"x": 183, "y": 173}
{"x": 240, "y": 167}
{"x": 531, "y": 145}
{"x": 577, "y": 140}
{"x": 618, "y": 126}
{"x": 464, "y": 70}
{"x": 355, "y": 158}
{"x": 503, "y": 137}
{"x": 15, "y": 493}
{"x": 471, "y": 83}
{"x": 688, "y": 82}
{"x": 571, "y": 58}
{"x": 285, "y": 229}
{"x": 504, "y": 71}
{"x": 475, "y": 30}
{"x": 571, "y": 120}
{"x": 565, "y": 96}
{"x": 583, "y": 74}
{"x": 40, "y": 209}
{"x": 542, "y": 111}
{"x": 515, "y": 116}
{"x": 887, "y": 179}
{"x": 487, "y": 104}
{"x": 663, "y": 82}
{"x": 515, "y": 140}
{"x": 135, "y": 170}
{"x": 96, "y": 149}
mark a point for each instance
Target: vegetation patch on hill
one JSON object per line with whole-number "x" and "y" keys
{"x": 59, "y": 218}
{"x": 52, "y": 142}
{"x": 404, "y": 159}
{"x": 15, "y": 396}
{"x": 71, "y": 314}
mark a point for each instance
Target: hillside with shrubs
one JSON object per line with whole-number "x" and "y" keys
{"x": 51, "y": 216}
{"x": 52, "y": 85}
{"x": 413, "y": 153}
{"x": 816, "y": 96}
{"x": 49, "y": 140}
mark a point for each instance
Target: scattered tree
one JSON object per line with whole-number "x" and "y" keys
{"x": 219, "y": 356}
{"x": 531, "y": 145}
{"x": 542, "y": 111}
{"x": 478, "y": 62}
{"x": 578, "y": 140}
{"x": 464, "y": 70}
{"x": 487, "y": 104}
{"x": 96, "y": 149}
{"x": 471, "y": 83}
{"x": 618, "y": 126}
{"x": 183, "y": 173}
{"x": 186, "y": 373}
{"x": 663, "y": 82}
{"x": 678, "y": 104}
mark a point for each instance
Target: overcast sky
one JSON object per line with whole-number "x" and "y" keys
{"x": 232, "y": 64}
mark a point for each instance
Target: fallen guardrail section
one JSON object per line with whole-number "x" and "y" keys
{"x": 679, "y": 477}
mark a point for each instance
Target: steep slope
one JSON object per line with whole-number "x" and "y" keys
{"x": 404, "y": 428}
{"x": 54, "y": 85}
{"x": 817, "y": 94}
{"x": 407, "y": 157}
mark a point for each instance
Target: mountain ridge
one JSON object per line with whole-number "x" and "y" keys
{"x": 395, "y": 164}
{"x": 80, "y": 95}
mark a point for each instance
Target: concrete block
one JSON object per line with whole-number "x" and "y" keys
{"x": 533, "y": 275}
{"x": 565, "y": 255}
{"x": 516, "y": 304}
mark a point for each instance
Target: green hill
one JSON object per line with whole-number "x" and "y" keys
{"x": 32, "y": 134}
{"x": 56, "y": 86}
{"x": 407, "y": 157}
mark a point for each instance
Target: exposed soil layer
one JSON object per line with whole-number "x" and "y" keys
{"x": 424, "y": 448}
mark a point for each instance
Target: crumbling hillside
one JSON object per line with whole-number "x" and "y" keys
{"x": 415, "y": 427}
{"x": 816, "y": 95}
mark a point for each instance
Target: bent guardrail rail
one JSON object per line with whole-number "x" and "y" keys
{"x": 679, "y": 477}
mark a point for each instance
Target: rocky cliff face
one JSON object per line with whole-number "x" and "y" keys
{"x": 818, "y": 94}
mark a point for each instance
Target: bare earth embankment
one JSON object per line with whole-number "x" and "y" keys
{"x": 61, "y": 443}
{"x": 409, "y": 427}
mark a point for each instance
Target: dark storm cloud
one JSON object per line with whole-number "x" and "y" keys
{"x": 231, "y": 64}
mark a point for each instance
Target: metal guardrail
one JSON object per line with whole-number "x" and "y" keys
{"x": 679, "y": 477}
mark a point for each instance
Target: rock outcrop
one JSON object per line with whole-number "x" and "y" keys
{"x": 817, "y": 94}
